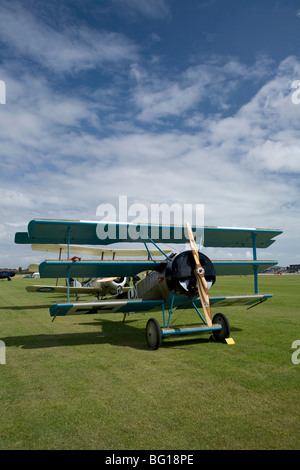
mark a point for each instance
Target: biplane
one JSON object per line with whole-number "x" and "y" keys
{"x": 98, "y": 287}
{"x": 180, "y": 281}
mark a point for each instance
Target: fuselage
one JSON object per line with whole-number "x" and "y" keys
{"x": 176, "y": 276}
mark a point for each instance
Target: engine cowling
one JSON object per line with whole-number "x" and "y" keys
{"x": 180, "y": 275}
{"x": 114, "y": 285}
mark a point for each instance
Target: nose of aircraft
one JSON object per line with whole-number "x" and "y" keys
{"x": 181, "y": 277}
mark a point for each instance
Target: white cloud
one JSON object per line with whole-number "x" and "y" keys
{"x": 67, "y": 49}
{"x": 157, "y": 98}
{"x": 156, "y": 9}
{"x": 275, "y": 156}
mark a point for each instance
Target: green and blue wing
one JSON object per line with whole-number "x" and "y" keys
{"x": 64, "y": 269}
{"x": 103, "y": 233}
{"x": 138, "y": 305}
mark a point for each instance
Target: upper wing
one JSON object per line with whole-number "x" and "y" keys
{"x": 103, "y": 233}
{"x": 238, "y": 237}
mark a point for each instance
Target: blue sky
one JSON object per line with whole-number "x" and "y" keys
{"x": 162, "y": 101}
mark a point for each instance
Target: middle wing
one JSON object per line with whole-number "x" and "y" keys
{"x": 55, "y": 269}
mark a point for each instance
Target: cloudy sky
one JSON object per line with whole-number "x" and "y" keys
{"x": 190, "y": 102}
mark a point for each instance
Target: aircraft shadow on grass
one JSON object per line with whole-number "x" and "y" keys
{"x": 24, "y": 307}
{"x": 114, "y": 333}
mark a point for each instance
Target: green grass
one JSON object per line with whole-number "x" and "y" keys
{"x": 90, "y": 382}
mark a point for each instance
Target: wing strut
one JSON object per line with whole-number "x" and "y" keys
{"x": 150, "y": 239}
{"x": 68, "y": 281}
{"x": 253, "y": 236}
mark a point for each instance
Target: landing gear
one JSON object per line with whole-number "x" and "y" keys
{"x": 221, "y": 335}
{"x": 153, "y": 334}
{"x": 220, "y": 329}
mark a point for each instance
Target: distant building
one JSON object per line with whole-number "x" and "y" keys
{"x": 293, "y": 268}
{"x": 273, "y": 269}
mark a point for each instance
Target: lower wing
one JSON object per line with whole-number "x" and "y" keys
{"x": 139, "y": 305}
{"x": 64, "y": 289}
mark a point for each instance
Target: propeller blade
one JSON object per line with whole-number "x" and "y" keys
{"x": 192, "y": 243}
{"x": 106, "y": 279}
{"x": 200, "y": 277}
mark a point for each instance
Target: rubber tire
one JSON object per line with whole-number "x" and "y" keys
{"x": 153, "y": 334}
{"x": 220, "y": 335}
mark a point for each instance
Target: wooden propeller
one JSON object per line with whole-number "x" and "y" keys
{"x": 200, "y": 277}
{"x": 105, "y": 279}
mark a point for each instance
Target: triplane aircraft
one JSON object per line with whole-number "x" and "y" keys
{"x": 179, "y": 281}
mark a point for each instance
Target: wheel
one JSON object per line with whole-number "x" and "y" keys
{"x": 220, "y": 335}
{"x": 153, "y": 334}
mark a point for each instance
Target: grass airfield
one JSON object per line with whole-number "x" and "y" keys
{"x": 90, "y": 382}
